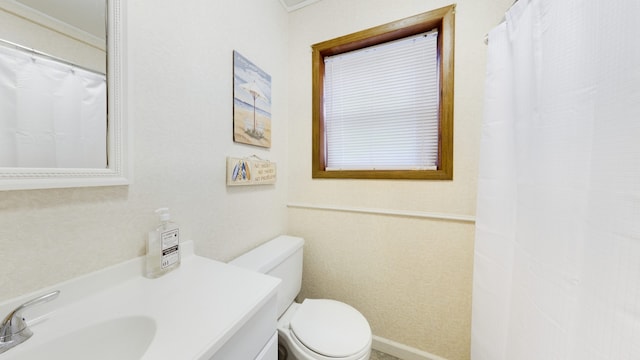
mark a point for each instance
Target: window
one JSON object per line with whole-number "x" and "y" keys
{"x": 383, "y": 101}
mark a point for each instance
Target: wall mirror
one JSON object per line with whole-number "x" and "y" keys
{"x": 63, "y": 114}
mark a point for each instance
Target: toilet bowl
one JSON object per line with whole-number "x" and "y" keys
{"x": 316, "y": 329}
{"x": 325, "y": 329}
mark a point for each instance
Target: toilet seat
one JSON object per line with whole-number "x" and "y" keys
{"x": 330, "y": 329}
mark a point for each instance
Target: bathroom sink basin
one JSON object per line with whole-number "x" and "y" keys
{"x": 117, "y": 314}
{"x": 125, "y": 338}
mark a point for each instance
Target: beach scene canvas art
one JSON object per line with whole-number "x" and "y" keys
{"x": 251, "y": 103}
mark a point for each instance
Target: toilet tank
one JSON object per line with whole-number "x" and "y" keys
{"x": 281, "y": 258}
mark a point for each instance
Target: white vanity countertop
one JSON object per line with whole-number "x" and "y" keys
{"x": 196, "y": 307}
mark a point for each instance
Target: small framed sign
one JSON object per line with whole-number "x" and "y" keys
{"x": 250, "y": 171}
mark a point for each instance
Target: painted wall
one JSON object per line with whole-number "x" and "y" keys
{"x": 180, "y": 90}
{"x": 410, "y": 276}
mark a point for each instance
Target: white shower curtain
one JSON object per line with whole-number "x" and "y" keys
{"x": 557, "y": 252}
{"x": 52, "y": 115}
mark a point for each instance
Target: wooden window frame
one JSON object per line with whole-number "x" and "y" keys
{"x": 442, "y": 19}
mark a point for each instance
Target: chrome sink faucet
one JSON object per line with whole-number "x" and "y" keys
{"x": 14, "y": 330}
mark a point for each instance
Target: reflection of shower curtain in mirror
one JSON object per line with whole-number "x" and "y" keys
{"x": 52, "y": 115}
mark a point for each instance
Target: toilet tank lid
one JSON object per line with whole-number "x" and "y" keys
{"x": 268, "y": 255}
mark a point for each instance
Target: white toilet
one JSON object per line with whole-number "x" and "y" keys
{"x": 317, "y": 329}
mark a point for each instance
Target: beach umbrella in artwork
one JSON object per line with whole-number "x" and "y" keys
{"x": 253, "y": 89}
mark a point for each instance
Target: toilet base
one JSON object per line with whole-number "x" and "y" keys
{"x": 283, "y": 352}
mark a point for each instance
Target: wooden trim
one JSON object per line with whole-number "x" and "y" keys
{"x": 446, "y": 99}
{"x": 318, "y": 149}
{"x": 438, "y": 174}
{"x": 444, "y": 20}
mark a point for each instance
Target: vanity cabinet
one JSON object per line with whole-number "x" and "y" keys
{"x": 256, "y": 339}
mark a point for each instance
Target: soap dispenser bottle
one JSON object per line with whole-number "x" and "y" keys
{"x": 163, "y": 246}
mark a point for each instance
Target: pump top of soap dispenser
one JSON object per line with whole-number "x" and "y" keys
{"x": 164, "y": 214}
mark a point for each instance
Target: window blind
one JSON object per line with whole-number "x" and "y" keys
{"x": 381, "y": 106}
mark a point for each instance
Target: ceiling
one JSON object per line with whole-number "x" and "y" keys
{"x": 292, "y": 5}
{"x": 85, "y": 15}
{"x": 89, "y": 15}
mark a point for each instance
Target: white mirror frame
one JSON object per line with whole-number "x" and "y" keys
{"x": 118, "y": 171}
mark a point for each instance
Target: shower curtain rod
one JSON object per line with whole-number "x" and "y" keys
{"x": 486, "y": 36}
{"x": 51, "y": 57}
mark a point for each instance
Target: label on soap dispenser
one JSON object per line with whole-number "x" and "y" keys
{"x": 170, "y": 240}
